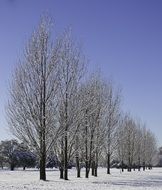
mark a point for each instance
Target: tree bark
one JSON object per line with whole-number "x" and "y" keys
{"x": 95, "y": 171}
{"x": 108, "y": 163}
{"x": 78, "y": 166}
{"x": 66, "y": 140}
{"x": 144, "y": 166}
{"x": 122, "y": 166}
{"x": 12, "y": 167}
{"x": 61, "y": 172}
{"x": 93, "y": 168}
{"x": 43, "y": 166}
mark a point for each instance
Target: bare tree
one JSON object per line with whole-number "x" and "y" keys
{"x": 121, "y": 142}
{"x": 111, "y": 119}
{"x": 151, "y": 148}
{"x": 71, "y": 67}
{"x": 91, "y": 103}
{"x": 32, "y": 105}
{"x": 138, "y": 149}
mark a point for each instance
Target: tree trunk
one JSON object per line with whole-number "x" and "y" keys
{"x": 65, "y": 159}
{"x": 78, "y": 166}
{"x": 66, "y": 139}
{"x": 61, "y": 172}
{"x": 108, "y": 163}
{"x": 95, "y": 171}
{"x": 24, "y": 167}
{"x": 139, "y": 167}
{"x": 43, "y": 123}
{"x": 43, "y": 166}
{"x": 122, "y": 166}
{"x": 93, "y": 168}
{"x": 87, "y": 171}
{"x": 143, "y": 166}
{"x": 12, "y": 167}
{"x": 86, "y": 148}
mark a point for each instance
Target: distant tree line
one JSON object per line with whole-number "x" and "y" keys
{"x": 54, "y": 108}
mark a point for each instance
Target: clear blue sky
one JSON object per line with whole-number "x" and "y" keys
{"x": 122, "y": 37}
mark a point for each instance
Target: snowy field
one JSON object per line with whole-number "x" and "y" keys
{"x": 29, "y": 180}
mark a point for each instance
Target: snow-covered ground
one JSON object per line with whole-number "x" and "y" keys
{"x": 25, "y": 180}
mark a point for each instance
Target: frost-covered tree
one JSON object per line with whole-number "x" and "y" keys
{"x": 150, "y": 149}
{"x": 90, "y": 126}
{"x": 71, "y": 67}
{"x": 138, "y": 147}
{"x": 130, "y": 131}
{"x": 32, "y": 104}
{"x": 121, "y": 143}
{"x": 110, "y": 121}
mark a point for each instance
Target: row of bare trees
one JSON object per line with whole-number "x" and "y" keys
{"x": 52, "y": 107}
{"x": 136, "y": 145}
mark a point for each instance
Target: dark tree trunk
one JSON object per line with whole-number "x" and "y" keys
{"x": 43, "y": 123}
{"x": 86, "y": 149}
{"x": 43, "y": 166}
{"x": 93, "y": 168}
{"x": 108, "y": 163}
{"x": 78, "y": 166}
{"x": 43, "y": 154}
{"x": 24, "y": 167}
{"x": 139, "y": 161}
{"x": 65, "y": 159}
{"x": 61, "y": 163}
{"x": 87, "y": 173}
{"x": 87, "y": 170}
{"x": 95, "y": 171}
{"x": 122, "y": 166}
{"x": 61, "y": 172}
{"x": 66, "y": 139}
{"x": 134, "y": 167}
{"x": 12, "y": 167}
{"x": 144, "y": 166}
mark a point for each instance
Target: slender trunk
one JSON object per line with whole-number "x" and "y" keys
{"x": 95, "y": 171}
{"x": 66, "y": 140}
{"x": 43, "y": 149}
{"x": 24, "y": 167}
{"x": 77, "y": 156}
{"x": 12, "y": 167}
{"x": 61, "y": 172}
{"x": 43, "y": 121}
{"x": 122, "y": 166}
{"x": 61, "y": 167}
{"x": 144, "y": 166}
{"x": 93, "y": 168}
{"x": 96, "y": 163}
{"x": 139, "y": 161}
{"x": 65, "y": 159}
{"x": 86, "y": 148}
{"x": 43, "y": 167}
{"x": 108, "y": 163}
{"x": 87, "y": 172}
{"x": 129, "y": 163}
{"x": 43, "y": 159}
{"x": 78, "y": 166}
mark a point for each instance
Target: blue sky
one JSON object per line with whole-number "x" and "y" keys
{"x": 121, "y": 37}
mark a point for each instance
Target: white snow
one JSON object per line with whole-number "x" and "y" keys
{"x": 29, "y": 180}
